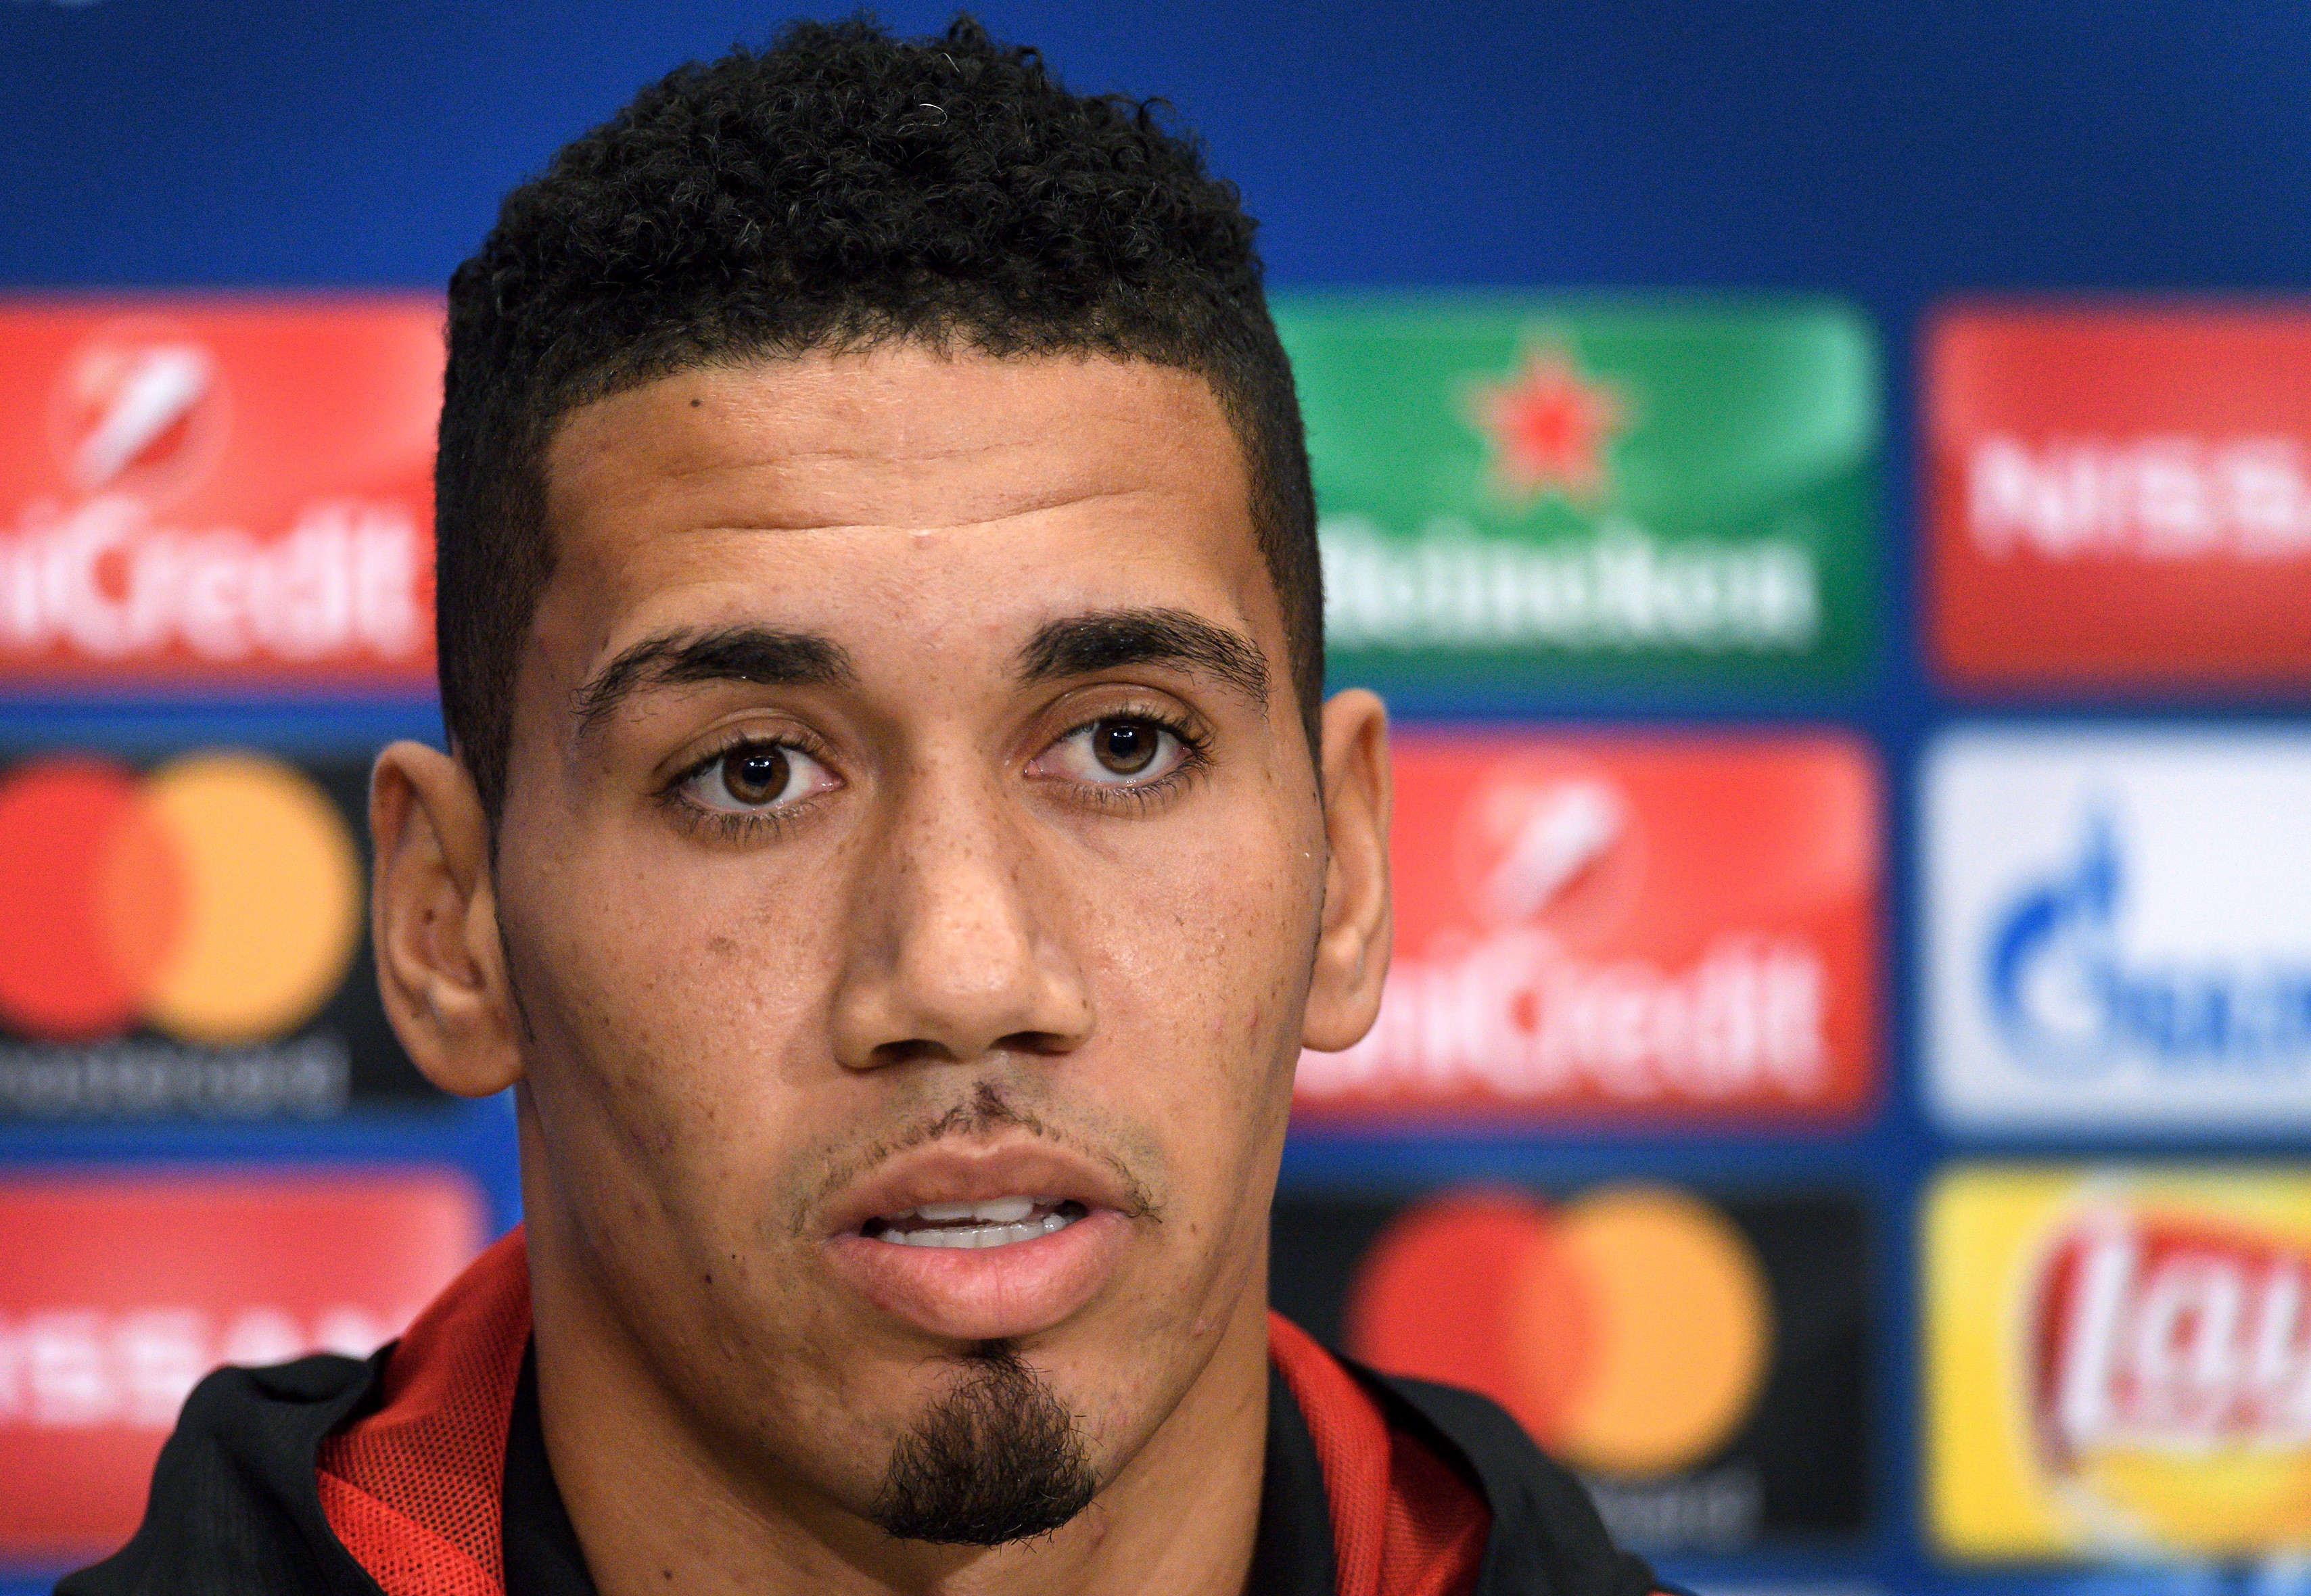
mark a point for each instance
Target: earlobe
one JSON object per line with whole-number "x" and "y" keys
{"x": 440, "y": 967}
{"x": 1353, "y": 947}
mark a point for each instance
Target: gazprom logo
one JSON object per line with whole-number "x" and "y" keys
{"x": 2071, "y": 1000}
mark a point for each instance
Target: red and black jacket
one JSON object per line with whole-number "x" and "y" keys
{"x": 422, "y": 1472}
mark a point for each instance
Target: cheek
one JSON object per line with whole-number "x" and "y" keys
{"x": 1201, "y": 950}
{"x": 665, "y": 1007}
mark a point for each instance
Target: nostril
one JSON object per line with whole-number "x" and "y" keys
{"x": 913, "y": 1050}
{"x": 923, "y": 1050}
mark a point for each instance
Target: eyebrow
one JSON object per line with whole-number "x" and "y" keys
{"x": 1104, "y": 640}
{"x": 760, "y": 654}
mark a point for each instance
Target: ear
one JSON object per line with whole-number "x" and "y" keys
{"x": 1352, "y": 950}
{"x": 433, "y": 919}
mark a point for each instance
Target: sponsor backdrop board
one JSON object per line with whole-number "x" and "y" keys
{"x": 2118, "y": 929}
{"x": 1700, "y": 1358}
{"x": 1514, "y": 491}
{"x": 218, "y": 493}
{"x": 1612, "y": 928}
{"x": 1644, "y": 511}
{"x": 2120, "y": 495}
{"x": 187, "y": 936}
{"x": 167, "y": 1275}
{"x": 2118, "y": 1362}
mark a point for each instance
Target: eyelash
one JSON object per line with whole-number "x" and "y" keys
{"x": 1194, "y": 747}
{"x": 735, "y": 825}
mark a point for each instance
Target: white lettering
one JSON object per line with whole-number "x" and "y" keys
{"x": 1513, "y": 1016}
{"x": 2179, "y": 1343}
{"x": 345, "y": 581}
{"x": 75, "y": 1368}
{"x": 1623, "y": 588}
{"x": 2159, "y": 499}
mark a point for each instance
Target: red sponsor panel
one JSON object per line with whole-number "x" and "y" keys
{"x": 214, "y": 491}
{"x": 118, "y": 1294}
{"x": 1605, "y": 927}
{"x": 2120, "y": 497}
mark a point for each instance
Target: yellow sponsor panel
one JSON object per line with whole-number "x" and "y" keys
{"x": 2118, "y": 1360}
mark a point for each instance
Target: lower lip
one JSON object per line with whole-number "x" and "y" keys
{"x": 985, "y": 1293}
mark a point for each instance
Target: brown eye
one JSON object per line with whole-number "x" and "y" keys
{"x": 1118, "y": 752}
{"x": 756, "y": 777}
{"x": 1125, "y": 747}
{"x": 755, "y": 773}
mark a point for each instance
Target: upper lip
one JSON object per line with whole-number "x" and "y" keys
{"x": 967, "y": 1171}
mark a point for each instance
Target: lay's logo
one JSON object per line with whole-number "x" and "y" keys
{"x": 2119, "y": 1360}
{"x": 218, "y": 491}
{"x": 2165, "y": 1333}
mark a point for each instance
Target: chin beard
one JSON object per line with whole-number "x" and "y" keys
{"x": 997, "y": 1459}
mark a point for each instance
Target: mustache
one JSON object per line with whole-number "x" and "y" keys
{"x": 985, "y": 1111}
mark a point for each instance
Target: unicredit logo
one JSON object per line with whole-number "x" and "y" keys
{"x": 2174, "y": 1336}
{"x": 217, "y": 899}
{"x": 1510, "y": 1003}
{"x": 2070, "y": 999}
{"x": 140, "y": 416}
{"x": 232, "y": 491}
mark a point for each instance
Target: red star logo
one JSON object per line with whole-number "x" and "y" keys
{"x": 1550, "y": 427}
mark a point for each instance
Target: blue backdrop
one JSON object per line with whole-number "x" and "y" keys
{"x": 1888, "y": 153}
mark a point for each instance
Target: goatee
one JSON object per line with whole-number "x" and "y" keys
{"x": 997, "y": 1459}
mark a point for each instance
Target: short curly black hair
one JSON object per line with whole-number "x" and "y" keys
{"x": 840, "y": 189}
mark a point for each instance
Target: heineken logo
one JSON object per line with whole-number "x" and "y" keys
{"x": 1629, "y": 485}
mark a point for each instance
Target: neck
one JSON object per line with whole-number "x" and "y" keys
{"x": 660, "y": 1505}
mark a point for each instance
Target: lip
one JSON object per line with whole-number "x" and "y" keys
{"x": 982, "y": 1294}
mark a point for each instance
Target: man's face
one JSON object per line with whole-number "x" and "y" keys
{"x": 909, "y": 877}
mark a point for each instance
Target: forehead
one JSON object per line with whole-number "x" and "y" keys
{"x": 951, "y": 482}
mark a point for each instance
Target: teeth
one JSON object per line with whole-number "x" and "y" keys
{"x": 993, "y": 1210}
{"x": 953, "y": 1235}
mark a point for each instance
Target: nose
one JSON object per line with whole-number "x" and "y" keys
{"x": 958, "y": 947}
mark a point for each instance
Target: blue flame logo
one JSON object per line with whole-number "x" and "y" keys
{"x": 2070, "y": 1004}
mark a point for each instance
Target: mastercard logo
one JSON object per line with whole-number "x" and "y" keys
{"x": 217, "y": 899}
{"x": 1629, "y": 1331}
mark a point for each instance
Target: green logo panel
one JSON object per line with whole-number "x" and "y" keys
{"x": 1529, "y": 493}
